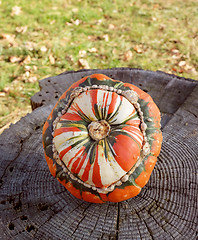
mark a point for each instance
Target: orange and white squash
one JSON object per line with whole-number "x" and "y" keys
{"x": 102, "y": 139}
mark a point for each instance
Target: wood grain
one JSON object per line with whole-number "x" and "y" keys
{"x": 34, "y": 205}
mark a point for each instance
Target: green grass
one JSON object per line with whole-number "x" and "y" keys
{"x": 158, "y": 35}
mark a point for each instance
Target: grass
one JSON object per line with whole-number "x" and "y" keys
{"x": 45, "y": 38}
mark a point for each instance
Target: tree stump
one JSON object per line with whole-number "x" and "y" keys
{"x": 34, "y": 205}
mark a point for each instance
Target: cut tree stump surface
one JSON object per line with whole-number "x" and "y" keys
{"x": 34, "y": 205}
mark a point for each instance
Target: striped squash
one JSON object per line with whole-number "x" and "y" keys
{"x": 102, "y": 139}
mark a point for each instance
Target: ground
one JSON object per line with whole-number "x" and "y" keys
{"x": 45, "y": 38}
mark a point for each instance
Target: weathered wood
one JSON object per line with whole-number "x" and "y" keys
{"x": 168, "y": 91}
{"x": 34, "y": 205}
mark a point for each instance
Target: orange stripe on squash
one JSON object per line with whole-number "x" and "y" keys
{"x": 126, "y": 143}
{"x": 69, "y": 186}
{"x": 119, "y": 194}
{"x": 143, "y": 178}
{"x": 89, "y": 197}
{"x": 156, "y": 146}
{"x": 126, "y": 151}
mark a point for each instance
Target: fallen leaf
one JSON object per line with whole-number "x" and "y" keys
{"x": 51, "y": 59}
{"x": 35, "y": 68}
{"x": 21, "y": 29}
{"x": 26, "y": 74}
{"x": 27, "y": 60}
{"x": 99, "y": 21}
{"x": 175, "y": 53}
{"x": 82, "y": 53}
{"x": 92, "y": 37}
{"x": 6, "y": 89}
{"x": 182, "y": 63}
{"x": 155, "y": 6}
{"x": 83, "y": 63}
{"x": 14, "y": 59}
{"x": 9, "y": 38}
{"x": 32, "y": 79}
{"x": 74, "y": 10}
{"x": 52, "y": 22}
{"x": 68, "y": 24}
{"x": 115, "y": 51}
{"x": 154, "y": 19}
{"x": 111, "y": 26}
{"x": 29, "y": 45}
{"x": 2, "y": 94}
{"x": 106, "y": 37}
{"x": 43, "y": 49}
{"x": 174, "y": 69}
{"x": 27, "y": 68}
{"x": 76, "y": 22}
{"x": 128, "y": 55}
{"x": 16, "y": 10}
{"x": 70, "y": 59}
{"x": 138, "y": 49}
{"x": 93, "y": 50}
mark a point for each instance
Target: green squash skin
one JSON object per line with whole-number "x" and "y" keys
{"x": 47, "y": 135}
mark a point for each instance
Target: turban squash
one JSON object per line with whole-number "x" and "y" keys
{"x": 102, "y": 139}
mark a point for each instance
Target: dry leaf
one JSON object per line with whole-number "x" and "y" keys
{"x": 70, "y": 59}
{"x": 27, "y": 60}
{"x": 99, "y": 21}
{"x": 68, "y": 24}
{"x": 14, "y": 59}
{"x": 9, "y": 38}
{"x": 26, "y": 74}
{"x": 2, "y": 94}
{"x": 30, "y": 45}
{"x": 74, "y": 10}
{"x": 93, "y": 50}
{"x": 175, "y": 53}
{"x": 76, "y": 22}
{"x": 43, "y": 49}
{"x": 174, "y": 69}
{"x": 182, "y": 63}
{"x": 6, "y": 89}
{"x": 21, "y": 29}
{"x": 128, "y": 55}
{"x": 51, "y": 59}
{"x": 52, "y": 22}
{"x": 106, "y": 37}
{"x": 111, "y": 26}
{"x": 16, "y": 10}
{"x": 27, "y": 68}
{"x": 32, "y": 79}
{"x": 83, "y": 63}
{"x": 155, "y": 6}
{"x": 92, "y": 37}
{"x": 35, "y": 68}
{"x": 82, "y": 53}
{"x": 138, "y": 49}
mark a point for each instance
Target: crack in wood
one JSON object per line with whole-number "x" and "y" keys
{"x": 118, "y": 222}
{"x": 142, "y": 219}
